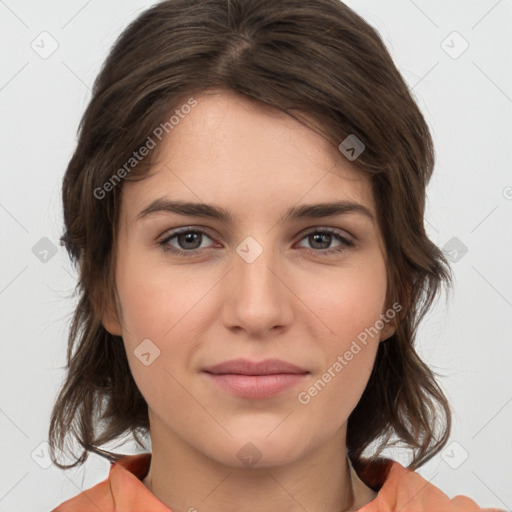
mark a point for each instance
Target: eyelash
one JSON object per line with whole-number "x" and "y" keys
{"x": 344, "y": 245}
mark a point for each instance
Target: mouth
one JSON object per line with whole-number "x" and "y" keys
{"x": 248, "y": 379}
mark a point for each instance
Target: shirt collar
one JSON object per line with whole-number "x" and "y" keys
{"x": 398, "y": 488}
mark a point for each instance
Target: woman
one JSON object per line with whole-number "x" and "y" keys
{"x": 266, "y": 359}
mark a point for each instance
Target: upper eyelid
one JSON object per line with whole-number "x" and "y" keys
{"x": 169, "y": 233}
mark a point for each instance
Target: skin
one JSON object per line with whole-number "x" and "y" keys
{"x": 293, "y": 303}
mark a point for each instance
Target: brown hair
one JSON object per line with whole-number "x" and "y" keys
{"x": 321, "y": 63}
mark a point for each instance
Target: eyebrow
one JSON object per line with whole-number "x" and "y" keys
{"x": 304, "y": 211}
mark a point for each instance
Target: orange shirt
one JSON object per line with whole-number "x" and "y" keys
{"x": 399, "y": 489}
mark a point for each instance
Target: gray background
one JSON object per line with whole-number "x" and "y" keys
{"x": 467, "y": 101}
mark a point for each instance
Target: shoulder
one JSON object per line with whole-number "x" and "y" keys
{"x": 402, "y": 489}
{"x": 96, "y": 498}
{"x": 121, "y": 490}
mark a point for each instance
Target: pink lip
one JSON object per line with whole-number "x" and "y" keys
{"x": 255, "y": 380}
{"x": 246, "y": 367}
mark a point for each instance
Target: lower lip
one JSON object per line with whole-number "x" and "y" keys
{"x": 257, "y": 386}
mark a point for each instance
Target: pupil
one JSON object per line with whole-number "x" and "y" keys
{"x": 189, "y": 238}
{"x": 318, "y": 238}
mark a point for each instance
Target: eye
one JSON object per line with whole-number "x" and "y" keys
{"x": 188, "y": 239}
{"x": 320, "y": 239}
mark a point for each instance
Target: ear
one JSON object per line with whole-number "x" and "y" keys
{"x": 110, "y": 320}
{"x": 391, "y": 323}
{"x": 387, "y": 331}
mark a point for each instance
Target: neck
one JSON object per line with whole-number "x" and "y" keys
{"x": 186, "y": 480}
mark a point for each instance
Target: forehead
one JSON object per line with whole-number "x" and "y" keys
{"x": 235, "y": 151}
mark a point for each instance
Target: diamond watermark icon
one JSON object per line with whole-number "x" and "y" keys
{"x": 249, "y": 454}
{"x": 249, "y": 249}
{"x": 454, "y": 455}
{"x": 352, "y": 147}
{"x": 454, "y": 45}
{"x": 455, "y": 249}
{"x": 45, "y": 45}
{"x": 147, "y": 352}
{"x": 41, "y": 455}
{"x": 44, "y": 250}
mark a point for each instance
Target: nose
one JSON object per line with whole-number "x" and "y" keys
{"x": 257, "y": 297}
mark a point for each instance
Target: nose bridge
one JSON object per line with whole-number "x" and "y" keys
{"x": 255, "y": 259}
{"x": 255, "y": 298}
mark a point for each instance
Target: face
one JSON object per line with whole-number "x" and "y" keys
{"x": 198, "y": 290}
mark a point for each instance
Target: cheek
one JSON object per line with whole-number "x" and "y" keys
{"x": 155, "y": 297}
{"x": 160, "y": 304}
{"x": 349, "y": 304}
{"x": 155, "y": 308}
{"x": 349, "y": 299}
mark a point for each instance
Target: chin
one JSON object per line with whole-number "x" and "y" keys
{"x": 258, "y": 449}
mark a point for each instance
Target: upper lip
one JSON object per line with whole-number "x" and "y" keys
{"x": 246, "y": 367}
